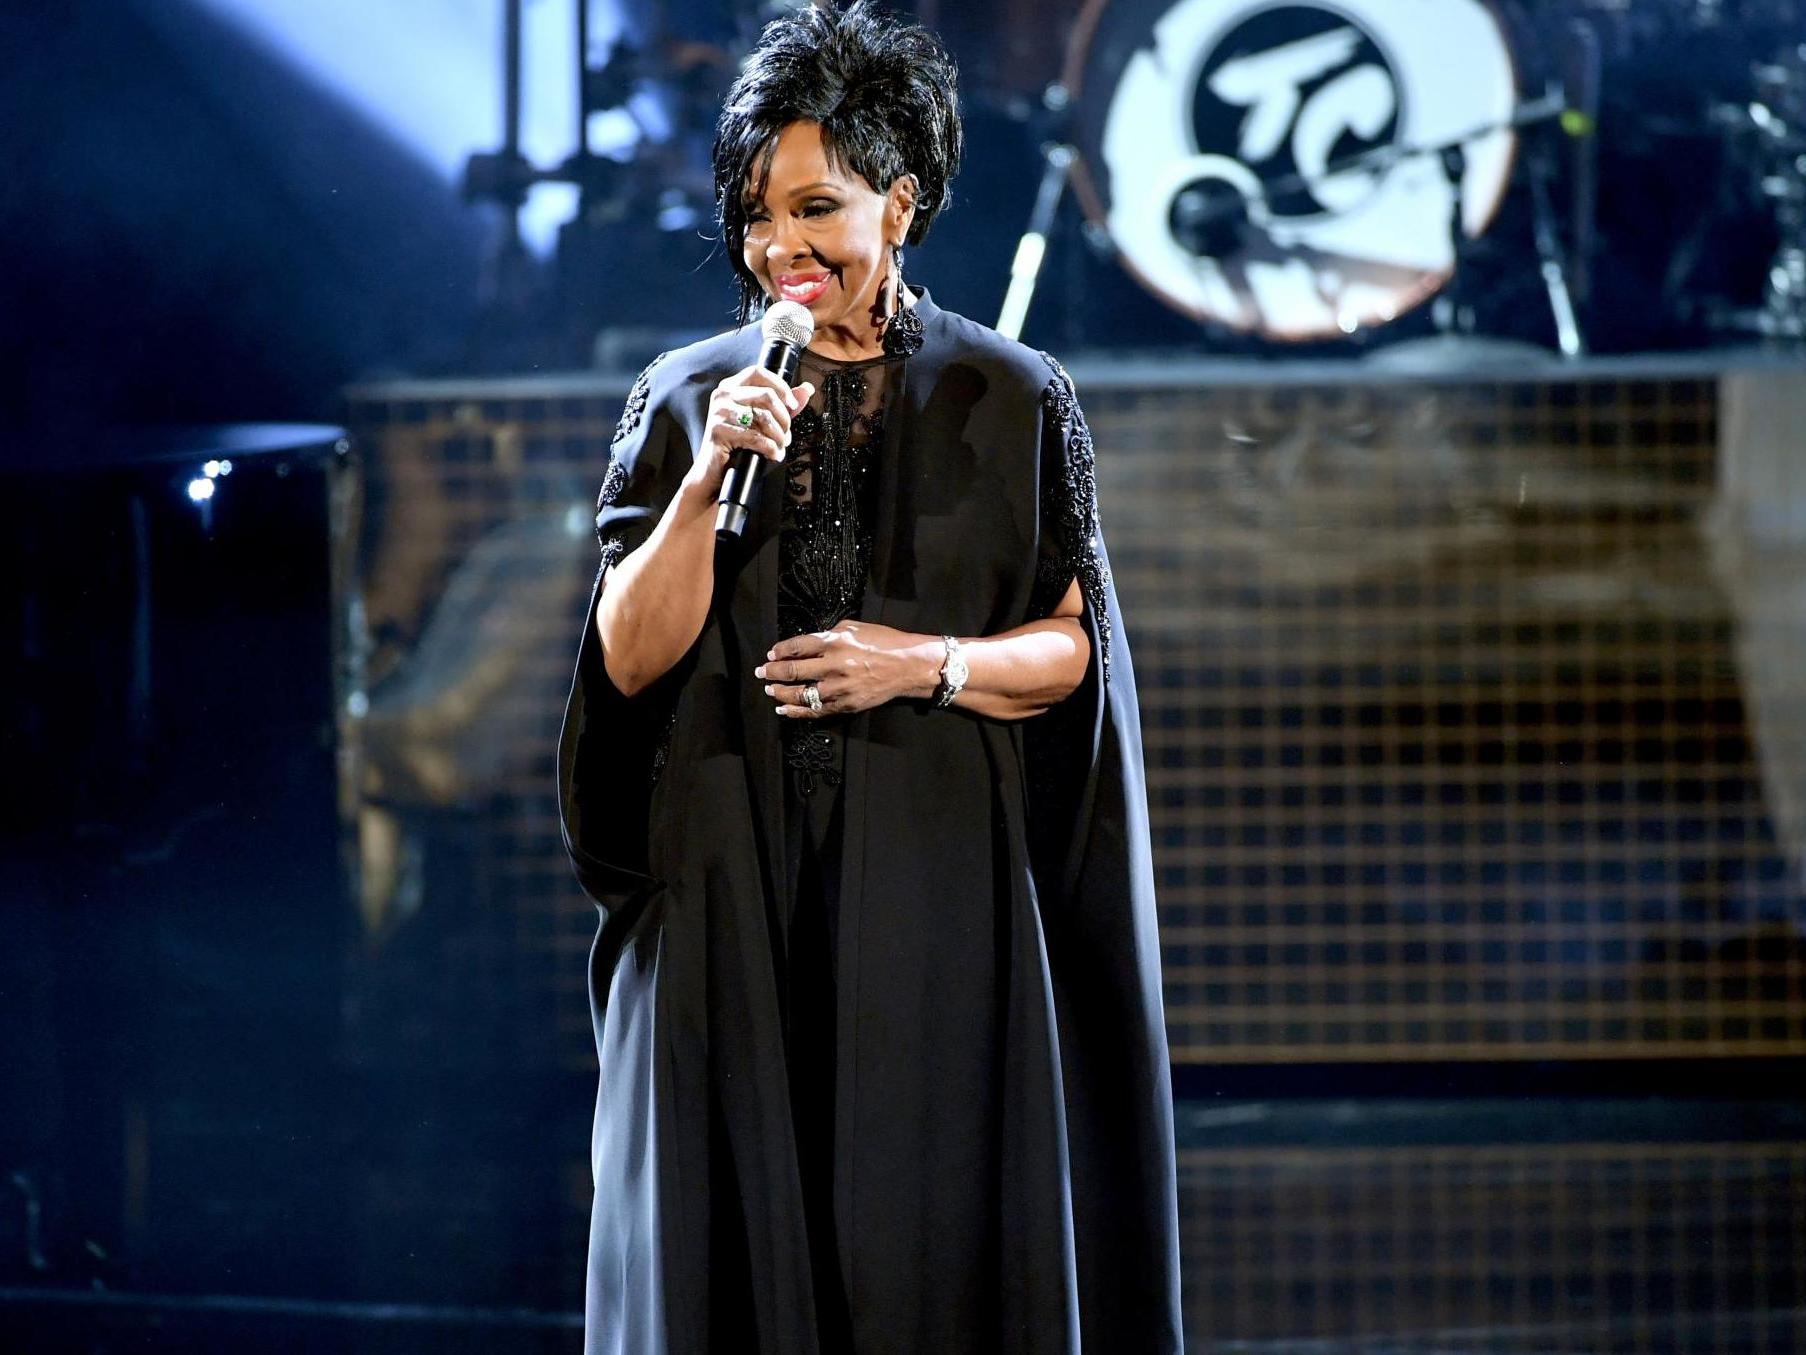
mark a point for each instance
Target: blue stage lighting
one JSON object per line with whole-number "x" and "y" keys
{"x": 430, "y": 74}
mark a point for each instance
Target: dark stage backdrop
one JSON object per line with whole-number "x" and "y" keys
{"x": 194, "y": 231}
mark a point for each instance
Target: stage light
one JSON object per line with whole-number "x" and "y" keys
{"x": 428, "y": 73}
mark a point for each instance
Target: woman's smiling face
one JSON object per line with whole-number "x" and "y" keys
{"x": 822, "y": 236}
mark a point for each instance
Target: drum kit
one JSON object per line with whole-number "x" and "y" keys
{"x": 1301, "y": 171}
{"x": 1516, "y": 176}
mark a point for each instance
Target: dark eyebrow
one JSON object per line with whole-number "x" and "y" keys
{"x": 750, "y": 201}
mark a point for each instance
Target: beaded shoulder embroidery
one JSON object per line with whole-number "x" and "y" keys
{"x": 1069, "y": 504}
{"x": 614, "y": 479}
{"x": 635, "y": 407}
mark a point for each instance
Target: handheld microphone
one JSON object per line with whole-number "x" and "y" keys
{"x": 786, "y": 329}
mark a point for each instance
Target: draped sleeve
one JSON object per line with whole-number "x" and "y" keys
{"x": 1070, "y": 539}
{"x": 639, "y": 481}
{"x": 1091, "y": 853}
{"x": 612, "y": 747}
{"x": 1061, "y": 746}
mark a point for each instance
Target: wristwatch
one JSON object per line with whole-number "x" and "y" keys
{"x": 953, "y": 673}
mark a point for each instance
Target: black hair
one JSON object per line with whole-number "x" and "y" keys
{"x": 885, "y": 93}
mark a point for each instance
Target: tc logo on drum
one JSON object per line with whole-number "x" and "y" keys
{"x": 1290, "y": 93}
{"x": 1228, "y": 152}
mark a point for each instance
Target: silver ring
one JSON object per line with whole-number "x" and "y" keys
{"x": 744, "y": 418}
{"x": 812, "y": 694}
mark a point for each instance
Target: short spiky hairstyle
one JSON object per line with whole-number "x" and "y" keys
{"x": 885, "y": 93}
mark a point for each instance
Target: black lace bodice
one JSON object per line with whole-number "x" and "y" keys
{"x": 828, "y": 519}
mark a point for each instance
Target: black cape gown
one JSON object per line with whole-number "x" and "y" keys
{"x": 1003, "y": 1174}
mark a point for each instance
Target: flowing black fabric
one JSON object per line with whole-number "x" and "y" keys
{"x": 883, "y": 1069}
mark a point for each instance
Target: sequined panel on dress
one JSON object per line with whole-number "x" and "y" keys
{"x": 825, "y": 545}
{"x": 614, "y": 480}
{"x": 1069, "y": 504}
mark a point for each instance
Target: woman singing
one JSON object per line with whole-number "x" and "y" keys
{"x": 876, "y": 988}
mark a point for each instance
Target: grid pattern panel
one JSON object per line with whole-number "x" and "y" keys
{"x": 1633, "y": 1248}
{"x": 1448, "y": 753}
{"x": 478, "y": 549}
{"x": 1446, "y": 737}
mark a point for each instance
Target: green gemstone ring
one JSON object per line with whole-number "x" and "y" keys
{"x": 746, "y": 418}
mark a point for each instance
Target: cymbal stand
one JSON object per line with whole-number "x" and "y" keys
{"x": 1031, "y": 249}
{"x": 1550, "y": 256}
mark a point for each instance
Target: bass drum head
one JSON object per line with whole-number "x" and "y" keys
{"x": 1210, "y": 132}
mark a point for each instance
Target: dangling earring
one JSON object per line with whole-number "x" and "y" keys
{"x": 903, "y": 328}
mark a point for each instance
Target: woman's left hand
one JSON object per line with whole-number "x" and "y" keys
{"x": 855, "y": 666}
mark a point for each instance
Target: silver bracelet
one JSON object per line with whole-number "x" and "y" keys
{"x": 953, "y": 673}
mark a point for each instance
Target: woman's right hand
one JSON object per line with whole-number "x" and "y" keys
{"x": 773, "y": 405}
{"x": 653, "y": 610}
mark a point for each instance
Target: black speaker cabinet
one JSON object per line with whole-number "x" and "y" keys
{"x": 174, "y": 899}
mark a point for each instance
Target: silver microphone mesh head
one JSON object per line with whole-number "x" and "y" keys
{"x": 788, "y": 321}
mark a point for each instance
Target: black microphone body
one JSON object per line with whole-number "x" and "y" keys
{"x": 782, "y": 356}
